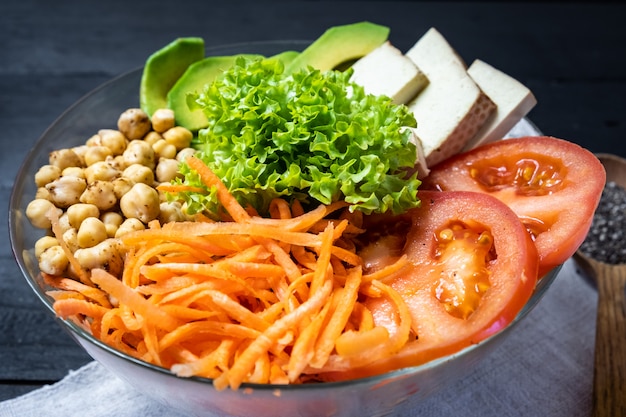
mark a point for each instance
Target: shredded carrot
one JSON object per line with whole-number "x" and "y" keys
{"x": 353, "y": 343}
{"x": 178, "y": 188}
{"x": 381, "y": 346}
{"x": 282, "y": 258}
{"x": 344, "y": 255}
{"x": 243, "y": 364}
{"x": 181, "y": 234}
{"x": 209, "y": 365}
{"x": 362, "y": 317}
{"x": 345, "y": 300}
{"x": 71, "y": 307}
{"x": 296, "y": 223}
{"x": 304, "y": 348}
{"x": 207, "y": 328}
{"x": 201, "y": 217}
{"x": 323, "y": 263}
{"x": 69, "y": 284}
{"x": 208, "y": 177}
{"x": 279, "y": 209}
{"x": 243, "y": 299}
{"x": 387, "y": 271}
{"x": 126, "y": 295}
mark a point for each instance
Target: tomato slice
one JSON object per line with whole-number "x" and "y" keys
{"x": 553, "y": 185}
{"x": 472, "y": 267}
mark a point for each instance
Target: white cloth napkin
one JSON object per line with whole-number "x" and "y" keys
{"x": 544, "y": 368}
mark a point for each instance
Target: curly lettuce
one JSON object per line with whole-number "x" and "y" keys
{"x": 311, "y": 135}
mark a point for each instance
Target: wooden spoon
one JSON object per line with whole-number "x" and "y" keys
{"x": 609, "y": 379}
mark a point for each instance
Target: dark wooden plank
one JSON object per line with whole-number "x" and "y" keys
{"x": 33, "y": 347}
{"x": 563, "y": 111}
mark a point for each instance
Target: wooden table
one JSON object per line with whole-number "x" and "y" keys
{"x": 572, "y": 55}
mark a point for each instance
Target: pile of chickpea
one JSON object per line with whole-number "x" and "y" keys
{"x": 106, "y": 188}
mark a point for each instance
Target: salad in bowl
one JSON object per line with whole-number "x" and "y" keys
{"x": 296, "y": 229}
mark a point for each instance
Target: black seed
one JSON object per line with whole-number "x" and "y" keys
{"x": 606, "y": 241}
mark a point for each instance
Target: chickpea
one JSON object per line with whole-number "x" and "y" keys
{"x": 112, "y": 221}
{"x": 73, "y": 172}
{"x": 44, "y": 243}
{"x": 163, "y": 119}
{"x": 91, "y": 232}
{"x": 167, "y": 170}
{"x": 141, "y": 202}
{"x": 96, "y": 153}
{"x": 178, "y": 136}
{"x": 101, "y": 194}
{"x": 162, "y": 149}
{"x": 101, "y": 170}
{"x": 114, "y": 140}
{"x": 46, "y": 174}
{"x": 53, "y": 261}
{"x": 139, "y": 152}
{"x": 37, "y": 212}
{"x": 64, "y": 223}
{"x": 70, "y": 237}
{"x": 80, "y": 152}
{"x": 117, "y": 162}
{"x": 105, "y": 255}
{"x": 129, "y": 225}
{"x": 134, "y": 123}
{"x": 111, "y": 229}
{"x": 78, "y": 212}
{"x": 139, "y": 173}
{"x": 152, "y": 137}
{"x": 184, "y": 154}
{"x": 94, "y": 140}
{"x": 121, "y": 186}
{"x": 42, "y": 192}
{"x": 64, "y": 158}
{"x": 66, "y": 191}
{"x": 171, "y": 212}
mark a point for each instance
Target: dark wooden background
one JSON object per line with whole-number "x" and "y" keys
{"x": 571, "y": 54}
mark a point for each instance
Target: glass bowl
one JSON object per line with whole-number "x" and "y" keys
{"x": 373, "y": 396}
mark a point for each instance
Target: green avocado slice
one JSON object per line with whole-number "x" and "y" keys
{"x": 340, "y": 44}
{"x": 164, "y": 67}
{"x": 287, "y": 57}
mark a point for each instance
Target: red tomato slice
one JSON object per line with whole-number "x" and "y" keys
{"x": 553, "y": 185}
{"x": 472, "y": 267}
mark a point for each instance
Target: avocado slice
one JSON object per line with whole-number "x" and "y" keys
{"x": 287, "y": 57}
{"x": 339, "y": 44}
{"x": 164, "y": 67}
{"x": 196, "y": 76}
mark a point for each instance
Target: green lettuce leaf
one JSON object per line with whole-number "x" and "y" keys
{"x": 311, "y": 135}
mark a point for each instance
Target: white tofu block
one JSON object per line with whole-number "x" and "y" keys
{"x": 431, "y": 51}
{"x": 513, "y": 102}
{"x": 452, "y": 108}
{"x": 386, "y": 71}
